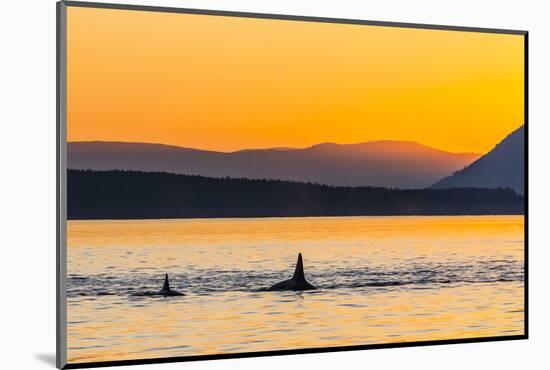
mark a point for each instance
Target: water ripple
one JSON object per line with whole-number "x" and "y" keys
{"x": 204, "y": 281}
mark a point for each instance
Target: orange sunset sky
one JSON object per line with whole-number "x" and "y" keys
{"x": 227, "y": 83}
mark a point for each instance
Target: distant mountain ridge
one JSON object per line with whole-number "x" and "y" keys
{"x": 502, "y": 167}
{"x": 392, "y": 164}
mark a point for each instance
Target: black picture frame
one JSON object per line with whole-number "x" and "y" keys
{"x": 61, "y": 190}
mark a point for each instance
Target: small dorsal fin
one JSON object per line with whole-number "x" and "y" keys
{"x": 299, "y": 272}
{"x": 166, "y": 286}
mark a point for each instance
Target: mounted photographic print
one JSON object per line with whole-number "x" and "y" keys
{"x": 236, "y": 184}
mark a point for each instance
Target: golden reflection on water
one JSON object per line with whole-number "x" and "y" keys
{"x": 118, "y": 327}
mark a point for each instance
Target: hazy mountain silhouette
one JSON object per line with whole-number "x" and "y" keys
{"x": 394, "y": 164}
{"x": 502, "y": 167}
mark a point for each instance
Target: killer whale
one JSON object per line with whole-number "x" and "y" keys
{"x": 297, "y": 282}
{"x": 166, "y": 291}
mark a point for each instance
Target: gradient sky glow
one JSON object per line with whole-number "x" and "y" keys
{"x": 227, "y": 83}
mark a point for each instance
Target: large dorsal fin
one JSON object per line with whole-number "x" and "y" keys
{"x": 299, "y": 272}
{"x": 166, "y": 286}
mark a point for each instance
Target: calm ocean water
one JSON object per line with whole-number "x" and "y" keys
{"x": 380, "y": 280}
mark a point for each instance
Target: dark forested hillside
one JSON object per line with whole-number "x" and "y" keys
{"x": 141, "y": 195}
